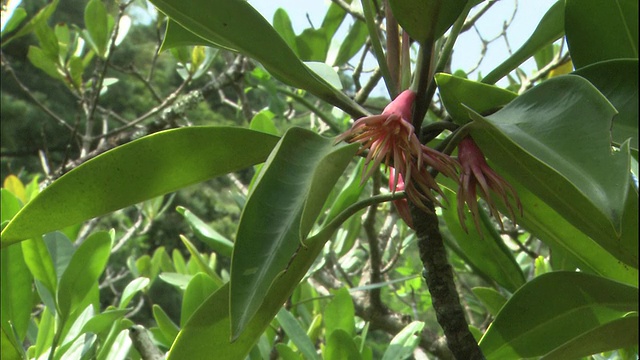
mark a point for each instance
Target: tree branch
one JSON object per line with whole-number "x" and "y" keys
{"x": 439, "y": 277}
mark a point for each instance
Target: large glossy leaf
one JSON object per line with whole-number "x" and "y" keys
{"x": 611, "y": 27}
{"x": 143, "y": 169}
{"x": 555, "y": 140}
{"x": 486, "y": 253}
{"x": 280, "y": 211}
{"x": 426, "y": 19}
{"x": 85, "y": 267}
{"x": 618, "y": 81}
{"x": 235, "y": 24}
{"x": 550, "y": 29}
{"x": 618, "y": 334}
{"x": 553, "y": 309}
{"x": 583, "y": 253}
{"x": 482, "y": 98}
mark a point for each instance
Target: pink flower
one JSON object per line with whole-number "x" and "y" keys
{"x": 478, "y": 176}
{"x": 390, "y": 139}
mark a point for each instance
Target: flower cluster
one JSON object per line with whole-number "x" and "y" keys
{"x": 390, "y": 139}
{"x": 477, "y": 176}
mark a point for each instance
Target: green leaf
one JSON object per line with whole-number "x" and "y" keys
{"x": 209, "y": 328}
{"x": 340, "y": 346}
{"x": 426, "y": 20}
{"x": 403, "y": 344}
{"x": 9, "y": 349}
{"x": 176, "y": 36}
{"x": 553, "y": 309}
{"x": 550, "y": 29}
{"x": 238, "y": 25}
{"x": 103, "y": 321}
{"x": 618, "y": 81}
{"x": 143, "y": 169}
{"x": 41, "y": 17}
{"x": 490, "y": 298}
{"x": 282, "y": 24}
{"x": 39, "y": 59}
{"x": 16, "y": 292}
{"x": 166, "y": 325}
{"x": 558, "y": 133}
{"x": 204, "y": 232}
{"x": 201, "y": 261}
{"x": 349, "y": 194}
{"x": 549, "y": 226}
{"x": 60, "y": 249}
{"x": 487, "y": 253}
{"x": 339, "y": 314}
{"x": 46, "y": 332}
{"x": 297, "y": 334}
{"x": 199, "y": 289}
{"x": 263, "y": 121}
{"x": 283, "y": 206}
{"x": 312, "y": 45}
{"x": 611, "y": 27}
{"x": 333, "y": 19}
{"x": 352, "y": 44}
{"x": 96, "y": 22}
{"x": 85, "y": 267}
{"x": 458, "y": 94}
{"x": 17, "y": 16}
{"x": 617, "y": 334}
{"x": 131, "y": 289}
{"x": 287, "y": 353}
{"x": 39, "y": 262}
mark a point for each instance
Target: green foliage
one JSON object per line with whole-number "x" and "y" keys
{"x": 269, "y": 248}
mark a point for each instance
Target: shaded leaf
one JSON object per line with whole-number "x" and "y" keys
{"x": 199, "y": 289}
{"x": 618, "y": 81}
{"x": 618, "y": 334}
{"x": 296, "y": 333}
{"x": 85, "y": 267}
{"x": 167, "y": 326}
{"x": 426, "y": 20}
{"x": 16, "y": 292}
{"x": 206, "y": 234}
{"x": 39, "y": 262}
{"x": 96, "y": 21}
{"x": 611, "y": 27}
{"x": 283, "y": 206}
{"x": 340, "y": 346}
{"x": 131, "y": 289}
{"x": 356, "y": 37}
{"x": 282, "y": 24}
{"x": 339, "y": 314}
{"x": 403, "y": 344}
{"x": 490, "y": 298}
{"x": 553, "y": 309}
{"x": 143, "y": 169}
{"x": 487, "y": 253}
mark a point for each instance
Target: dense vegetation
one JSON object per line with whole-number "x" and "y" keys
{"x": 202, "y": 182}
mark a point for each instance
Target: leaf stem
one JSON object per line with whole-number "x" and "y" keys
{"x": 377, "y": 46}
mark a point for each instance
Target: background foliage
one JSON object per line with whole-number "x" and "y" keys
{"x": 171, "y": 180}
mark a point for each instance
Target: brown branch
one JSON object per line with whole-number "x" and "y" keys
{"x": 439, "y": 277}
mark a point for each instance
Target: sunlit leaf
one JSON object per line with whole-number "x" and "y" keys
{"x": 403, "y": 344}
{"x": 143, "y": 169}
{"x": 426, "y": 19}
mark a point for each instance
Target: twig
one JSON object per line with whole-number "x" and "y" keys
{"x": 346, "y": 7}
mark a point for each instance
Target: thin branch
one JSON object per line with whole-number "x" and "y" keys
{"x": 346, "y": 7}
{"x": 7, "y": 67}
